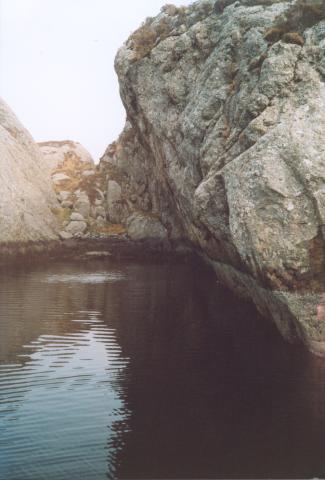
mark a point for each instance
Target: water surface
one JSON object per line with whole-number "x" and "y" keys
{"x": 129, "y": 370}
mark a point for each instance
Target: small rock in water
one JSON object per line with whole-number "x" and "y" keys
{"x": 98, "y": 254}
{"x": 65, "y": 235}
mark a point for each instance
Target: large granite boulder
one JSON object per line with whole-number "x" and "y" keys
{"x": 224, "y": 143}
{"x": 57, "y": 153}
{"x": 27, "y": 200}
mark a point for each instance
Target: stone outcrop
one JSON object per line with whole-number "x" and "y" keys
{"x": 26, "y": 196}
{"x": 56, "y": 153}
{"x": 224, "y": 147}
{"x": 79, "y": 188}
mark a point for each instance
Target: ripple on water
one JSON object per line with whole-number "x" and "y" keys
{"x": 149, "y": 371}
{"x": 59, "y": 406}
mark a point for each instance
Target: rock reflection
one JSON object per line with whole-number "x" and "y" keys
{"x": 60, "y": 405}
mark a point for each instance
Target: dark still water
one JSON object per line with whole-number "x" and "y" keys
{"x": 112, "y": 370}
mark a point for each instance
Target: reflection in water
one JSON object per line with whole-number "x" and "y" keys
{"x": 149, "y": 371}
{"x": 59, "y": 404}
{"x": 87, "y": 278}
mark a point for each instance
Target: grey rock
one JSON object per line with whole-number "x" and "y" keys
{"x": 100, "y": 221}
{"x": 82, "y": 205}
{"x": 100, "y": 212}
{"x": 77, "y": 216}
{"x": 114, "y": 204}
{"x": 65, "y": 235}
{"x": 140, "y": 227}
{"x": 114, "y": 192}
{"x": 76, "y": 227}
{"x": 224, "y": 146}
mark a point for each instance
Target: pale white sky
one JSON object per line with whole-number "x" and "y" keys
{"x": 56, "y": 65}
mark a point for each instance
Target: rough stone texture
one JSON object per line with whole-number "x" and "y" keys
{"x": 57, "y": 152}
{"x": 141, "y": 227}
{"x": 76, "y": 227}
{"x": 133, "y": 185}
{"x": 77, "y": 217}
{"x": 60, "y": 177}
{"x": 79, "y": 187}
{"x": 26, "y": 195}
{"x": 65, "y": 235}
{"x": 82, "y": 204}
{"x": 224, "y": 143}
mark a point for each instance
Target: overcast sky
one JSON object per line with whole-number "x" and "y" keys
{"x": 56, "y": 65}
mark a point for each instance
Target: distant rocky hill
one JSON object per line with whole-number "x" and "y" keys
{"x": 27, "y": 199}
{"x": 224, "y": 147}
{"x": 80, "y": 190}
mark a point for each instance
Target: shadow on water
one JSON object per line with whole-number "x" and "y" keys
{"x": 129, "y": 370}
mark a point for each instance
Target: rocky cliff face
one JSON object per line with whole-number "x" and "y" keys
{"x": 224, "y": 147}
{"x": 26, "y": 195}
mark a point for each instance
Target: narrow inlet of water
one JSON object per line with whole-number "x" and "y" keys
{"x": 133, "y": 370}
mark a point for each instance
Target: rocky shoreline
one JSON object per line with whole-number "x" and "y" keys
{"x": 117, "y": 247}
{"x": 225, "y": 128}
{"x": 222, "y": 155}
{"x": 271, "y": 304}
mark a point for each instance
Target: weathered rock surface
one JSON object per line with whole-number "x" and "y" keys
{"x": 58, "y": 152}
{"x": 224, "y": 144}
{"x": 26, "y": 195}
{"x": 76, "y": 227}
{"x": 141, "y": 227}
{"x": 79, "y": 188}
